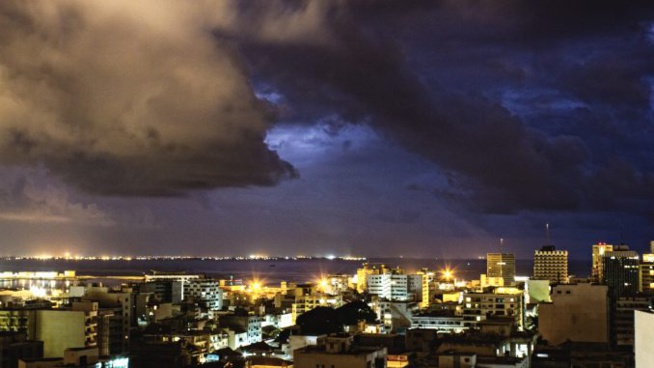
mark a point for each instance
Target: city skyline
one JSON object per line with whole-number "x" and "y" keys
{"x": 363, "y": 128}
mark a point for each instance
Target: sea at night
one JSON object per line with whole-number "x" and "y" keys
{"x": 269, "y": 271}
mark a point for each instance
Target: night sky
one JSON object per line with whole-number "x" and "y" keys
{"x": 318, "y": 127}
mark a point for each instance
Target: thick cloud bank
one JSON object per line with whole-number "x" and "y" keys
{"x": 130, "y": 97}
{"x": 538, "y": 105}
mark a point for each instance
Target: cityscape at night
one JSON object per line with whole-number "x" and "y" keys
{"x": 327, "y": 183}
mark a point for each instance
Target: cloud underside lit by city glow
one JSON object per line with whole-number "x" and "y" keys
{"x": 284, "y": 127}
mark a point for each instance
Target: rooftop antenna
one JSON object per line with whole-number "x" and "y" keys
{"x": 547, "y": 233}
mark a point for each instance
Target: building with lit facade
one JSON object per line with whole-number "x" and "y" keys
{"x": 597, "y": 272}
{"x": 204, "y": 292}
{"x": 445, "y": 321}
{"x": 366, "y": 270}
{"x": 502, "y": 302}
{"x": 646, "y": 274}
{"x": 250, "y": 324}
{"x": 397, "y": 286}
{"x": 501, "y": 265}
{"x": 621, "y": 270}
{"x": 551, "y": 264}
{"x": 305, "y": 303}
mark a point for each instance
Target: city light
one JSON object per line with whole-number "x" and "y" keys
{"x": 255, "y": 286}
{"x": 447, "y": 273}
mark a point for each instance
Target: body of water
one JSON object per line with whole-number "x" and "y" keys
{"x": 269, "y": 271}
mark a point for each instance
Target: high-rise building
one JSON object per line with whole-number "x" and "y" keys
{"x": 501, "y": 265}
{"x": 598, "y": 252}
{"x": 551, "y": 264}
{"x": 621, "y": 271}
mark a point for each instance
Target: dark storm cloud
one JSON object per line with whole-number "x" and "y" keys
{"x": 433, "y": 77}
{"x": 141, "y": 99}
{"x": 130, "y": 98}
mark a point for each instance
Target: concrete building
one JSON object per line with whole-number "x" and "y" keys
{"x": 646, "y": 274}
{"x": 18, "y": 320}
{"x": 501, "y": 302}
{"x": 379, "y": 285}
{"x": 428, "y": 281}
{"x": 63, "y": 329}
{"x": 122, "y": 303}
{"x": 501, "y": 265}
{"x": 366, "y": 270}
{"x": 578, "y": 312}
{"x": 200, "y": 343}
{"x": 205, "y": 292}
{"x": 444, "y": 321}
{"x": 251, "y": 324}
{"x": 15, "y": 346}
{"x": 58, "y": 329}
{"x": 81, "y": 357}
{"x": 395, "y": 316}
{"x": 551, "y": 264}
{"x": 622, "y": 321}
{"x": 538, "y": 291}
{"x": 644, "y": 339}
{"x": 397, "y": 286}
{"x": 336, "y": 284}
{"x": 41, "y": 362}
{"x": 164, "y": 290}
{"x": 597, "y": 272}
{"x": 491, "y": 350}
{"x": 621, "y": 271}
{"x": 339, "y": 352}
{"x": 452, "y": 359}
{"x": 176, "y": 276}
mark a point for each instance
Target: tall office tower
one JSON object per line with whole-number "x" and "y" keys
{"x": 551, "y": 264}
{"x": 621, "y": 271}
{"x": 501, "y": 265}
{"x": 598, "y": 252}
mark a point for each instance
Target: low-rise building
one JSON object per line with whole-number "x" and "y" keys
{"x": 500, "y": 302}
{"x": 250, "y": 324}
{"x": 445, "y": 321}
{"x": 15, "y": 346}
{"x": 338, "y": 351}
{"x": 578, "y": 312}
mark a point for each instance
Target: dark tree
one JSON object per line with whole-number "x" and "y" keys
{"x": 319, "y": 321}
{"x": 351, "y": 313}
